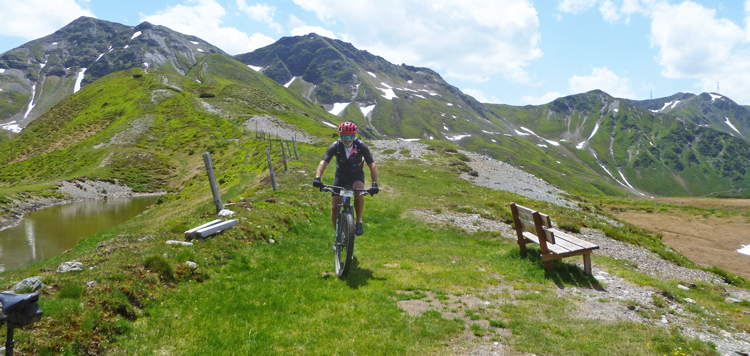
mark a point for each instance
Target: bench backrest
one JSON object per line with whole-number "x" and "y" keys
{"x": 527, "y": 219}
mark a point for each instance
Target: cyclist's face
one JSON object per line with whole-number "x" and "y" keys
{"x": 347, "y": 139}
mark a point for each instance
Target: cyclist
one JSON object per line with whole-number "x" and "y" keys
{"x": 351, "y": 155}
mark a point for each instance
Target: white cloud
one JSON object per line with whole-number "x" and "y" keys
{"x": 692, "y": 42}
{"x": 466, "y": 39}
{"x": 260, "y": 12}
{"x": 31, "y": 19}
{"x": 609, "y": 11}
{"x": 203, "y": 18}
{"x": 603, "y": 79}
{"x": 481, "y": 97}
{"x": 300, "y": 28}
{"x": 544, "y": 99}
{"x": 575, "y": 6}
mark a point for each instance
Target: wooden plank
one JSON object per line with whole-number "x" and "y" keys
{"x": 551, "y": 247}
{"x": 527, "y": 225}
{"x": 526, "y": 213}
{"x": 572, "y": 239}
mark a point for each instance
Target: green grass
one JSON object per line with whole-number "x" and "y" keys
{"x": 251, "y": 297}
{"x": 248, "y": 296}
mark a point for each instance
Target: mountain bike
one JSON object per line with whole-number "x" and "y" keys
{"x": 18, "y": 310}
{"x": 344, "y": 244}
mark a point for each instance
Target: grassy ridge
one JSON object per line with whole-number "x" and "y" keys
{"x": 251, "y": 297}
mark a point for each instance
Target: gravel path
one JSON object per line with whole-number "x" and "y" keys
{"x": 595, "y": 301}
{"x": 277, "y": 128}
{"x": 492, "y": 173}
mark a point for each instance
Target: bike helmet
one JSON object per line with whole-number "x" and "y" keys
{"x": 348, "y": 128}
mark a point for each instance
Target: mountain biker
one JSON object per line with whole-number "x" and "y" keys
{"x": 351, "y": 154}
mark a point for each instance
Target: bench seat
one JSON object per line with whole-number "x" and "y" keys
{"x": 555, "y": 244}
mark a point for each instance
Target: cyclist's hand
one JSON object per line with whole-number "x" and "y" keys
{"x": 374, "y": 189}
{"x": 317, "y": 183}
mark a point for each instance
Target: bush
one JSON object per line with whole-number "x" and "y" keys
{"x": 160, "y": 266}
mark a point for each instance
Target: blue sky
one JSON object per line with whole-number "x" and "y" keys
{"x": 513, "y": 52}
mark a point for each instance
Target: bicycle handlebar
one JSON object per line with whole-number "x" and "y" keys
{"x": 330, "y": 188}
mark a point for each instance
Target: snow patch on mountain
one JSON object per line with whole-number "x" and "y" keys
{"x": 135, "y": 35}
{"x": 732, "y": 126}
{"x": 338, "y": 108}
{"x": 457, "y": 137}
{"x": 553, "y": 143}
{"x": 31, "y": 103}
{"x": 289, "y": 83}
{"x": 583, "y": 144}
{"x": 388, "y": 92}
{"x": 366, "y": 110}
{"x": 11, "y": 126}
{"x": 79, "y": 79}
{"x": 257, "y": 69}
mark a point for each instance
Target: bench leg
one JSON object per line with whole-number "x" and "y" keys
{"x": 522, "y": 245}
{"x": 587, "y": 263}
{"x": 548, "y": 264}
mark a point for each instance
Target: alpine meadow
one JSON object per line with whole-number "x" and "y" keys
{"x": 438, "y": 270}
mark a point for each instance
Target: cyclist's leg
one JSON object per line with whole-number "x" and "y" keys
{"x": 359, "y": 202}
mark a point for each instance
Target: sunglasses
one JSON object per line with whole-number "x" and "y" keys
{"x": 347, "y": 137}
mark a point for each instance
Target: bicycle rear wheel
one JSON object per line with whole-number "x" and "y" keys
{"x": 344, "y": 244}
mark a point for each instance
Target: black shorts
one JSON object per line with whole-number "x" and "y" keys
{"x": 347, "y": 180}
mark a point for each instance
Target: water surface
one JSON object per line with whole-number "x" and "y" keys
{"x": 48, "y": 232}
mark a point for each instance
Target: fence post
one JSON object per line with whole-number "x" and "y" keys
{"x": 212, "y": 181}
{"x": 294, "y": 142}
{"x": 283, "y": 154}
{"x": 270, "y": 169}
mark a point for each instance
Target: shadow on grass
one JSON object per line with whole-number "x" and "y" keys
{"x": 564, "y": 274}
{"x": 359, "y": 277}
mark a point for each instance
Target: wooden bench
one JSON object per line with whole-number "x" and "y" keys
{"x": 533, "y": 226}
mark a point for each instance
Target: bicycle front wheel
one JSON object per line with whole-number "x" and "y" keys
{"x": 344, "y": 244}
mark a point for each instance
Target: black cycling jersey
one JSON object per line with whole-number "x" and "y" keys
{"x": 352, "y": 164}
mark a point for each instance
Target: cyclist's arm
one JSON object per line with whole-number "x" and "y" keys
{"x": 330, "y": 153}
{"x": 321, "y": 168}
{"x": 373, "y": 172}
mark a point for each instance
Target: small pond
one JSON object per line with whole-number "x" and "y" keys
{"x": 48, "y": 232}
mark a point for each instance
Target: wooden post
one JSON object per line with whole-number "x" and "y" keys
{"x": 256, "y": 130}
{"x": 283, "y": 154}
{"x": 288, "y": 150}
{"x": 270, "y": 169}
{"x": 212, "y": 181}
{"x": 294, "y": 142}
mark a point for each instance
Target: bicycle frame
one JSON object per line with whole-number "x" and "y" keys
{"x": 344, "y": 244}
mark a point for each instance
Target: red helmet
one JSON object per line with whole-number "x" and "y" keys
{"x": 348, "y": 128}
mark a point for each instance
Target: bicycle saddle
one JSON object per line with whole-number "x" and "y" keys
{"x": 15, "y": 302}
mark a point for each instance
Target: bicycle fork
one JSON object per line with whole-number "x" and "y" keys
{"x": 343, "y": 209}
